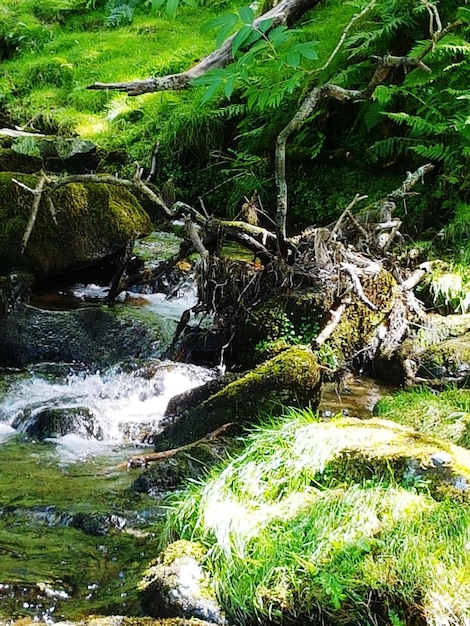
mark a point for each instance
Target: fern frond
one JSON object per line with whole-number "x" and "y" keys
{"x": 439, "y": 152}
{"x": 390, "y": 147}
{"x": 418, "y": 125}
{"x": 230, "y": 111}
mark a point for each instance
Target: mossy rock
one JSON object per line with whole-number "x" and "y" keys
{"x": 448, "y": 360}
{"x": 175, "y": 585}
{"x": 292, "y": 378}
{"x": 381, "y": 450}
{"x": 11, "y": 161}
{"x": 91, "y": 222}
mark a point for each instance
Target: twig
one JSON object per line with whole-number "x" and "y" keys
{"x": 335, "y": 319}
{"x": 347, "y": 213}
{"x": 144, "y": 459}
{"x": 416, "y": 276}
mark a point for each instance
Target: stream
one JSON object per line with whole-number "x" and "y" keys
{"x": 74, "y": 534}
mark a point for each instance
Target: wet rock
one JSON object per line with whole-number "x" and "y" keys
{"x": 291, "y": 378}
{"x": 15, "y": 288}
{"x": 96, "y": 524}
{"x": 58, "y": 421}
{"x": 173, "y": 473}
{"x": 94, "y": 336}
{"x": 175, "y": 585}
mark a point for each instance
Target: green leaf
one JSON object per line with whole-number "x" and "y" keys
{"x": 292, "y": 58}
{"x": 252, "y": 99}
{"x": 230, "y": 19}
{"x": 265, "y": 25}
{"x": 246, "y": 15}
{"x": 307, "y": 50}
{"x": 171, "y": 8}
{"x": 211, "y": 90}
{"x": 241, "y": 38}
{"x": 278, "y": 35}
{"x": 230, "y": 85}
{"x": 463, "y": 14}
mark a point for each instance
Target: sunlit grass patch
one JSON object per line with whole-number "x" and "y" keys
{"x": 445, "y": 414}
{"x": 296, "y": 534}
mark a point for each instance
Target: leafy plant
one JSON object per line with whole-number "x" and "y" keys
{"x": 268, "y": 62}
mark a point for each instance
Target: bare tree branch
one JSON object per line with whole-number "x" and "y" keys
{"x": 285, "y": 12}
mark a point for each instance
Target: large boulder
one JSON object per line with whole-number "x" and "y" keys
{"x": 87, "y": 223}
{"x": 291, "y": 378}
{"x": 93, "y": 336}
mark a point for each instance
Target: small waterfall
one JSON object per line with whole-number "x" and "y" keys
{"x": 120, "y": 407}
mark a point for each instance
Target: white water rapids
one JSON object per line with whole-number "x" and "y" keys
{"x": 123, "y": 405}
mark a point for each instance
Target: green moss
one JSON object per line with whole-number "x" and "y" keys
{"x": 91, "y": 221}
{"x": 291, "y": 377}
{"x": 448, "y": 359}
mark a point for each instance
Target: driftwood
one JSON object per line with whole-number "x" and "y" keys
{"x": 143, "y": 460}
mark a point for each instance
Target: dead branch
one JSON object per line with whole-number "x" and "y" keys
{"x": 335, "y": 318}
{"x": 145, "y": 459}
{"x": 347, "y": 213}
{"x": 357, "y": 287}
{"x": 416, "y": 276}
{"x": 285, "y": 12}
{"x": 37, "y": 194}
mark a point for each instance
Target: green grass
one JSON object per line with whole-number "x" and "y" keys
{"x": 293, "y": 539}
{"x": 445, "y": 414}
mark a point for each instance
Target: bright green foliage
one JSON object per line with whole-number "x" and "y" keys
{"x": 268, "y": 62}
{"x": 315, "y": 522}
{"x": 52, "y": 50}
{"x": 446, "y": 415}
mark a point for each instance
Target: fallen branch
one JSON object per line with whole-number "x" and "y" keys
{"x": 143, "y": 460}
{"x": 285, "y": 12}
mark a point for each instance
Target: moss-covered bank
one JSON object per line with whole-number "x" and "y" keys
{"x": 339, "y": 522}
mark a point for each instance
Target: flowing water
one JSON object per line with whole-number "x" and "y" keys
{"x": 74, "y": 535}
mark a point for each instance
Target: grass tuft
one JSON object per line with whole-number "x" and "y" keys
{"x": 290, "y": 543}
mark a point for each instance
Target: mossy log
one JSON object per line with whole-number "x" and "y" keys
{"x": 290, "y": 378}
